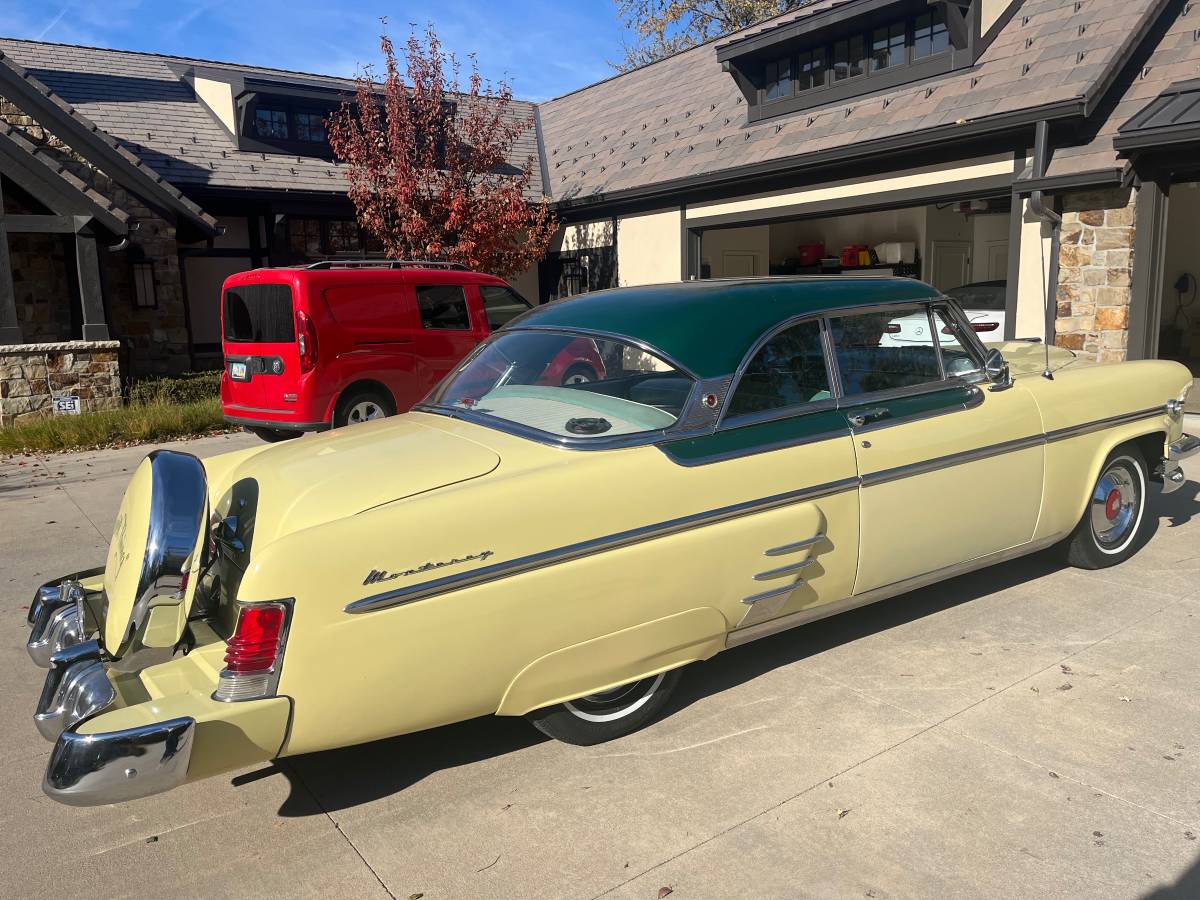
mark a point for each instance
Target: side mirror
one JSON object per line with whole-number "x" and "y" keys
{"x": 995, "y": 369}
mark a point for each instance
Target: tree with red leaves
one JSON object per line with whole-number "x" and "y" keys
{"x": 431, "y": 168}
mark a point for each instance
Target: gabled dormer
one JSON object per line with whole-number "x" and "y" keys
{"x": 859, "y": 47}
{"x": 265, "y": 114}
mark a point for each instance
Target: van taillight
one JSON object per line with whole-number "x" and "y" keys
{"x": 306, "y": 340}
{"x": 254, "y": 653}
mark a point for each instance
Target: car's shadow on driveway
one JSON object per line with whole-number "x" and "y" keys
{"x": 341, "y": 779}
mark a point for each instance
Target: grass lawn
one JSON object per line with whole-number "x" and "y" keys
{"x": 136, "y": 423}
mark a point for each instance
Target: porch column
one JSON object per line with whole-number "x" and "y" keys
{"x": 10, "y": 328}
{"x": 91, "y": 297}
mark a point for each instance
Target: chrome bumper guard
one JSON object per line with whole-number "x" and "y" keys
{"x": 114, "y": 766}
{"x": 76, "y": 688}
{"x": 58, "y": 621}
{"x": 1170, "y": 470}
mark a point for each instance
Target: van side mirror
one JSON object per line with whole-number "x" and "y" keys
{"x": 995, "y": 370}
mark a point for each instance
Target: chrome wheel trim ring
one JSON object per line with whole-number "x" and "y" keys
{"x": 604, "y": 706}
{"x": 364, "y": 411}
{"x": 1116, "y": 505}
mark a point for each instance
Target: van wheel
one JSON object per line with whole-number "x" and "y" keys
{"x": 609, "y": 714}
{"x": 1113, "y": 523}
{"x": 273, "y": 435}
{"x": 362, "y": 406}
{"x": 580, "y": 373}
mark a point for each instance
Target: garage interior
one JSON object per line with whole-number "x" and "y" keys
{"x": 947, "y": 244}
{"x": 1179, "y": 311}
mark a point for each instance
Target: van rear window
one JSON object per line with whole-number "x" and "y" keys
{"x": 259, "y": 314}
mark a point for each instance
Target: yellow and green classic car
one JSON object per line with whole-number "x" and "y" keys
{"x": 754, "y": 456}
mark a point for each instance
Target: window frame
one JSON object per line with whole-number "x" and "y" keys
{"x": 909, "y": 68}
{"x": 840, "y": 400}
{"x": 416, "y": 288}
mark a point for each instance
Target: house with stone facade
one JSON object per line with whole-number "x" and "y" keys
{"x": 1046, "y": 148}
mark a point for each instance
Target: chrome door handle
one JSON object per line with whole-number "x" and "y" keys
{"x": 858, "y": 420}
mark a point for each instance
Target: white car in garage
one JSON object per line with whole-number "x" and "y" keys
{"x": 982, "y": 302}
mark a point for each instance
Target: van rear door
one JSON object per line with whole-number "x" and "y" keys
{"x": 262, "y": 361}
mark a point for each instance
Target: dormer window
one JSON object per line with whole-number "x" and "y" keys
{"x": 855, "y": 48}
{"x": 271, "y": 124}
{"x": 310, "y": 127}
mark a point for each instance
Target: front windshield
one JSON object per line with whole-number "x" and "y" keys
{"x": 568, "y": 385}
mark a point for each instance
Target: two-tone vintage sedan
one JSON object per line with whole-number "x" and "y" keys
{"x": 754, "y": 457}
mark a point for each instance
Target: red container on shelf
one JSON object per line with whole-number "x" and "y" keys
{"x": 853, "y": 255}
{"x": 810, "y": 254}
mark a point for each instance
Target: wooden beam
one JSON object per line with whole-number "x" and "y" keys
{"x": 91, "y": 296}
{"x": 39, "y": 224}
{"x": 10, "y": 327}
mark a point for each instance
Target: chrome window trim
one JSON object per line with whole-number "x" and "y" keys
{"x": 579, "y": 550}
{"x": 783, "y": 412}
{"x": 974, "y": 399}
{"x": 596, "y": 545}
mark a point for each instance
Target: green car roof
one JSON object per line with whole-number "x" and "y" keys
{"x": 709, "y": 326}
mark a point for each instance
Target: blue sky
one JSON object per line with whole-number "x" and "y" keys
{"x": 544, "y": 48}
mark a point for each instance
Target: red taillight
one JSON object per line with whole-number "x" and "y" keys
{"x": 306, "y": 340}
{"x": 985, "y": 326}
{"x": 253, "y": 654}
{"x": 255, "y": 641}
{"x": 891, "y": 328}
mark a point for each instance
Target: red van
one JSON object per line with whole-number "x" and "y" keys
{"x": 335, "y": 343}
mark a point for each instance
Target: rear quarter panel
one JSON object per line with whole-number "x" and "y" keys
{"x": 651, "y": 605}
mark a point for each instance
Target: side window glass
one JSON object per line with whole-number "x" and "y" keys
{"x": 443, "y": 306}
{"x": 956, "y": 358}
{"x": 882, "y": 351}
{"x": 788, "y": 370}
{"x": 501, "y": 305}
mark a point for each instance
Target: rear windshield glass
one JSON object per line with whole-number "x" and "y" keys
{"x": 985, "y": 296}
{"x": 259, "y": 314}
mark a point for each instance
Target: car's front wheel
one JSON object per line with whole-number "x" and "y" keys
{"x": 1113, "y": 523}
{"x": 609, "y": 714}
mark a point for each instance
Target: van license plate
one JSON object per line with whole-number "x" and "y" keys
{"x": 237, "y": 371}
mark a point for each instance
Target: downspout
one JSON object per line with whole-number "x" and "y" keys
{"x": 1037, "y": 205}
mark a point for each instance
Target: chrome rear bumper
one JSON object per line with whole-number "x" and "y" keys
{"x": 58, "y": 619}
{"x": 114, "y": 766}
{"x": 1172, "y": 473}
{"x": 106, "y": 767}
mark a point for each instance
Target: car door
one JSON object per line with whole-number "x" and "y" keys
{"x": 446, "y": 332}
{"x": 783, "y": 441}
{"x": 950, "y": 470}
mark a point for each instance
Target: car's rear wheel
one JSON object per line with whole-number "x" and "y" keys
{"x": 579, "y": 373}
{"x": 273, "y": 435}
{"x": 1112, "y": 526}
{"x": 362, "y": 406}
{"x": 609, "y": 714}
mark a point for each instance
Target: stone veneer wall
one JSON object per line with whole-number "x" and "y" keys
{"x": 1095, "y": 265}
{"x": 157, "y": 337}
{"x": 32, "y": 375}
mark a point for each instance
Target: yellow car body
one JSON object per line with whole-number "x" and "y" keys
{"x": 437, "y": 567}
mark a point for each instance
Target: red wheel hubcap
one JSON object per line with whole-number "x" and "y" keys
{"x": 1112, "y": 505}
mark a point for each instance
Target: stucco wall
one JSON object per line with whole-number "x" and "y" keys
{"x": 649, "y": 247}
{"x": 1034, "y": 274}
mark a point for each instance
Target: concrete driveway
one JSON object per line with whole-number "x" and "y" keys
{"x": 1025, "y": 731}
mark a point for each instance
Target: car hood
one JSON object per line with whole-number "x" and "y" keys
{"x": 318, "y": 478}
{"x": 1028, "y": 358}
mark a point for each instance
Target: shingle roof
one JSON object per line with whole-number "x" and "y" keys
{"x": 140, "y": 100}
{"x": 72, "y": 126}
{"x": 1175, "y": 57}
{"x": 683, "y": 116}
{"x": 49, "y": 169}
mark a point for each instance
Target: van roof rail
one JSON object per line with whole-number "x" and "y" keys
{"x": 387, "y": 264}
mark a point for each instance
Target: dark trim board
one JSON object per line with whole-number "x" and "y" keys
{"x": 975, "y": 188}
{"x": 1073, "y": 181}
{"x": 1149, "y": 252}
